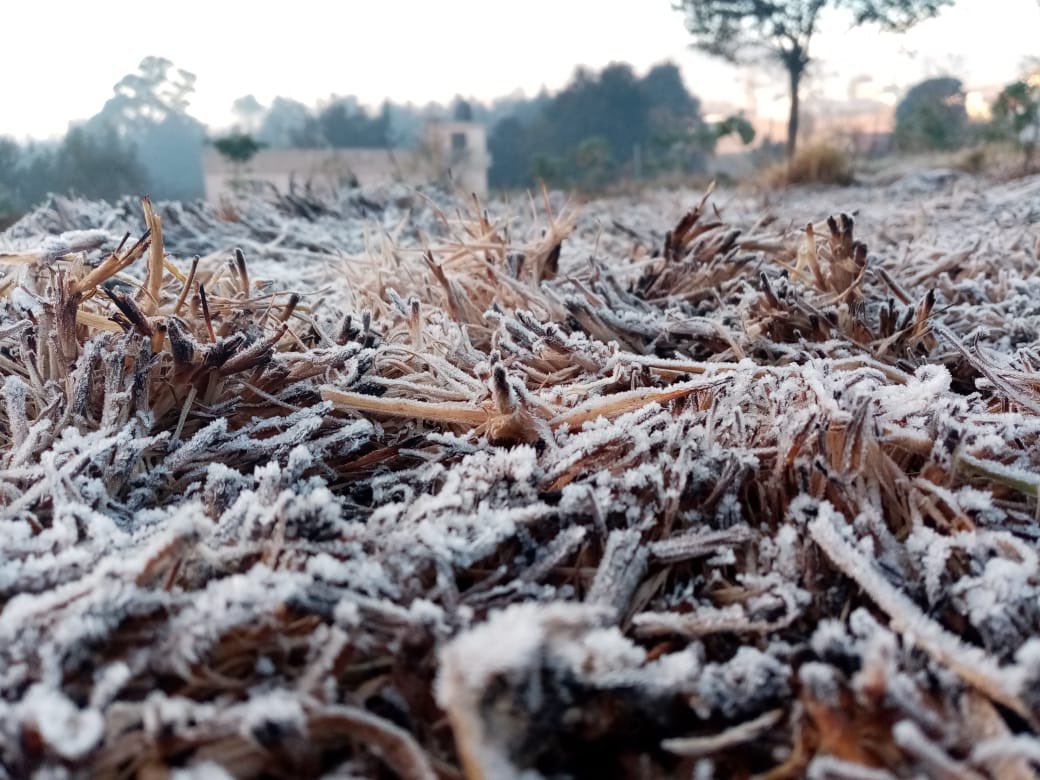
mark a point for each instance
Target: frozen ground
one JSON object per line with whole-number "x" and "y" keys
{"x": 421, "y": 490}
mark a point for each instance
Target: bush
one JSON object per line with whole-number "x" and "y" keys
{"x": 816, "y": 164}
{"x": 237, "y": 147}
{"x": 932, "y": 116}
{"x": 1016, "y": 115}
{"x": 973, "y": 161}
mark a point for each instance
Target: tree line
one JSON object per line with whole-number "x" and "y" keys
{"x": 602, "y": 125}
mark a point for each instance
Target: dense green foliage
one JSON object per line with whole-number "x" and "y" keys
{"x": 94, "y": 163}
{"x": 1016, "y": 115}
{"x": 342, "y": 122}
{"x": 599, "y": 127}
{"x": 932, "y": 116}
{"x": 237, "y": 147}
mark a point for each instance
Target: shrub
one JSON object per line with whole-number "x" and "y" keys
{"x": 817, "y": 164}
{"x": 1016, "y": 115}
{"x": 932, "y": 116}
{"x": 238, "y": 147}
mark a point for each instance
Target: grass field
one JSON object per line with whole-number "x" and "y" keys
{"x": 397, "y": 484}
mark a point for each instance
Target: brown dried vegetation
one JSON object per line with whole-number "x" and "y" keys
{"x": 666, "y": 509}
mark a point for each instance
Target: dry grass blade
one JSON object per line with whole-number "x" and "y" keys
{"x": 458, "y": 492}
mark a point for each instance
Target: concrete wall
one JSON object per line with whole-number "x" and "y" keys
{"x": 459, "y": 150}
{"x": 449, "y": 150}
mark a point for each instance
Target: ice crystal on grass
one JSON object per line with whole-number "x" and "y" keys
{"x": 385, "y": 485}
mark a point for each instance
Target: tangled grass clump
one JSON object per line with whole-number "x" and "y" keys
{"x": 744, "y": 502}
{"x": 819, "y": 164}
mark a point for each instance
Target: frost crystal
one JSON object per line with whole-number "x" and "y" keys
{"x": 387, "y": 484}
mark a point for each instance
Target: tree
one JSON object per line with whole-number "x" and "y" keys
{"x": 609, "y": 105}
{"x": 35, "y": 174}
{"x": 1016, "y": 114}
{"x": 593, "y": 160}
{"x": 545, "y": 168}
{"x": 674, "y": 123}
{"x": 97, "y": 163}
{"x": 599, "y": 126}
{"x": 932, "y": 115}
{"x": 149, "y": 111}
{"x": 782, "y": 30}
{"x": 283, "y": 124}
{"x": 249, "y": 112}
{"x": 344, "y": 123}
{"x": 508, "y": 144}
{"x": 10, "y": 157}
{"x": 237, "y": 147}
{"x": 663, "y": 87}
{"x": 462, "y": 110}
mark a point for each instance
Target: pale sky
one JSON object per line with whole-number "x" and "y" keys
{"x": 59, "y": 60}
